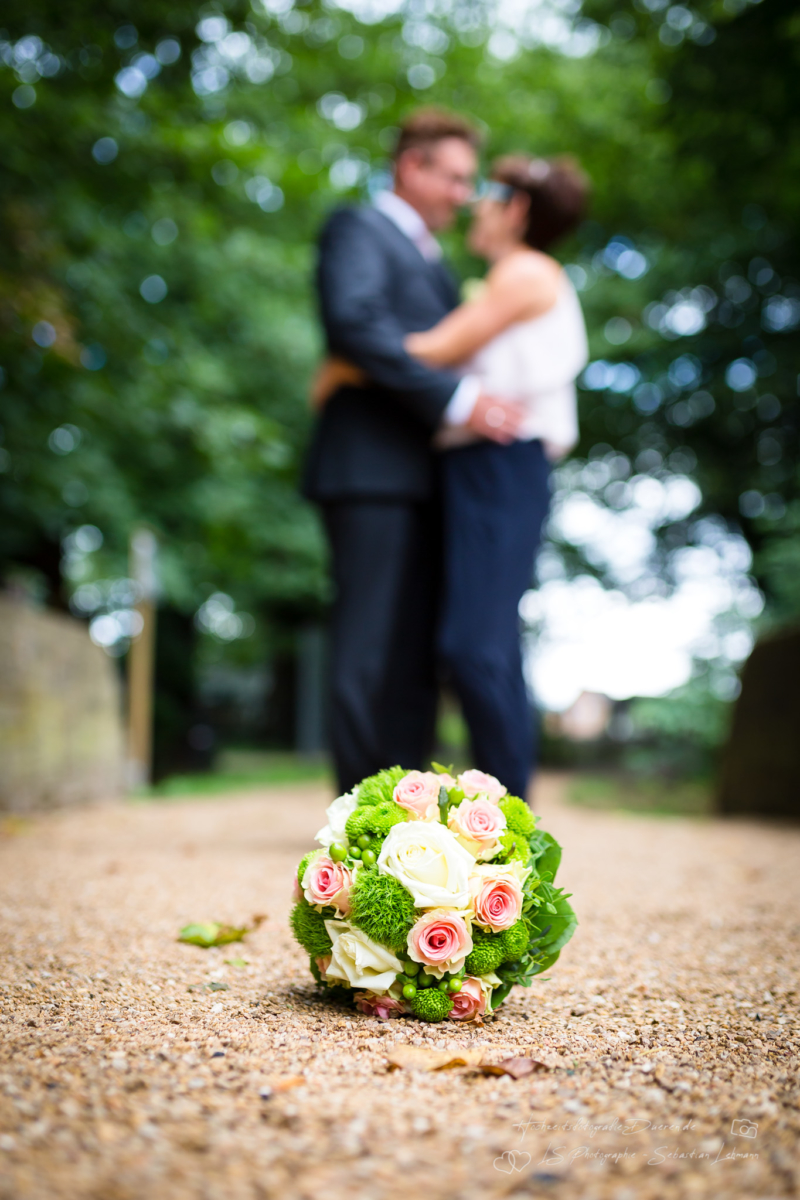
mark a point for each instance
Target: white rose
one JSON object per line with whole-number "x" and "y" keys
{"x": 358, "y": 961}
{"x": 488, "y": 983}
{"x": 429, "y": 862}
{"x": 337, "y": 814}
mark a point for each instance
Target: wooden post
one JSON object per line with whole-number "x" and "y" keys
{"x": 141, "y": 660}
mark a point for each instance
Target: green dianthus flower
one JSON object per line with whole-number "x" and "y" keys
{"x": 304, "y": 861}
{"x": 308, "y": 926}
{"x": 514, "y": 846}
{"x": 514, "y": 941}
{"x": 519, "y": 817}
{"x": 375, "y": 821}
{"x": 382, "y": 908}
{"x": 376, "y": 788}
{"x": 487, "y": 952}
{"x": 431, "y": 1004}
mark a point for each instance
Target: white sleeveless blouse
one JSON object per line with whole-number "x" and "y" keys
{"x": 536, "y": 362}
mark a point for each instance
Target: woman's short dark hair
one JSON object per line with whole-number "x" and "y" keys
{"x": 556, "y": 188}
{"x": 427, "y": 126}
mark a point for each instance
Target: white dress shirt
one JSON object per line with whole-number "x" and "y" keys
{"x": 409, "y": 222}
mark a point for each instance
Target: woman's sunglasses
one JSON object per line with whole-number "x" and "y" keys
{"x": 493, "y": 189}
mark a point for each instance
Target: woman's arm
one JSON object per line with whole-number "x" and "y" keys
{"x": 522, "y": 286}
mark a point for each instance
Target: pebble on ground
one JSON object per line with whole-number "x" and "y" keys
{"x": 132, "y": 1066}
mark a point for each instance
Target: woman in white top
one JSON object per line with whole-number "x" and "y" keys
{"x": 523, "y": 335}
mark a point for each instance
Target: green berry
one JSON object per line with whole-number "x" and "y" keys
{"x": 409, "y": 991}
{"x": 454, "y": 985}
{"x": 444, "y": 986}
{"x": 355, "y": 852}
{"x": 412, "y": 968}
{"x": 368, "y": 858}
{"x": 425, "y": 981}
{"x": 363, "y": 841}
{"x": 338, "y": 852}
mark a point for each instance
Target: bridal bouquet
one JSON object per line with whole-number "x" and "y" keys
{"x": 431, "y": 896}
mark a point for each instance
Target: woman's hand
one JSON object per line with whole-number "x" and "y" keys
{"x": 332, "y": 374}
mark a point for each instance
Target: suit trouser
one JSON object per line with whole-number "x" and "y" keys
{"x": 495, "y": 499}
{"x": 385, "y": 564}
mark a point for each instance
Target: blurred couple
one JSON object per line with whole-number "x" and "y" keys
{"x": 430, "y": 460}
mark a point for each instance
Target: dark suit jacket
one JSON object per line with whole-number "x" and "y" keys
{"x": 374, "y": 288}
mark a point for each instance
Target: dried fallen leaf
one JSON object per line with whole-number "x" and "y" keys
{"x": 420, "y": 1058}
{"x": 517, "y": 1068}
{"x": 283, "y": 1083}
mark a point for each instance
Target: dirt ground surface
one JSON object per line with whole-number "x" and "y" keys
{"x": 132, "y": 1066}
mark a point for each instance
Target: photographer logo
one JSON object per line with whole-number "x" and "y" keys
{"x": 742, "y": 1128}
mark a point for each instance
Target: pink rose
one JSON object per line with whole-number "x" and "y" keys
{"x": 474, "y": 783}
{"x": 327, "y": 883}
{"x": 496, "y": 898}
{"x": 418, "y": 792}
{"x": 469, "y": 1003}
{"x": 478, "y": 825}
{"x": 440, "y": 939}
{"x": 323, "y": 961}
{"x": 382, "y": 1007}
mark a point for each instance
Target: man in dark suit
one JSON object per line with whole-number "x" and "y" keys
{"x": 371, "y": 467}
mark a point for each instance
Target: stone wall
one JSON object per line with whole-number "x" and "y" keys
{"x": 61, "y": 733}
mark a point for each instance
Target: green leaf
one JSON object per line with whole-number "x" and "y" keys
{"x": 552, "y": 932}
{"x": 440, "y": 770}
{"x": 210, "y": 933}
{"x": 546, "y": 854}
{"x": 499, "y": 995}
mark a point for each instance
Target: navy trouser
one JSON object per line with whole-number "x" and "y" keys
{"x": 386, "y": 568}
{"x": 495, "y": 499}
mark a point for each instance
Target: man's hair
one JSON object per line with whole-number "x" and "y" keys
{"x": 556, "y": 188}
{"x": 427, "y": 126}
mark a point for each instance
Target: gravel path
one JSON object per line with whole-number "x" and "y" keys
{"x": 133, "y": 1067}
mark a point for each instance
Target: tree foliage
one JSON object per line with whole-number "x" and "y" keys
{"x": 166, "y": 167}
